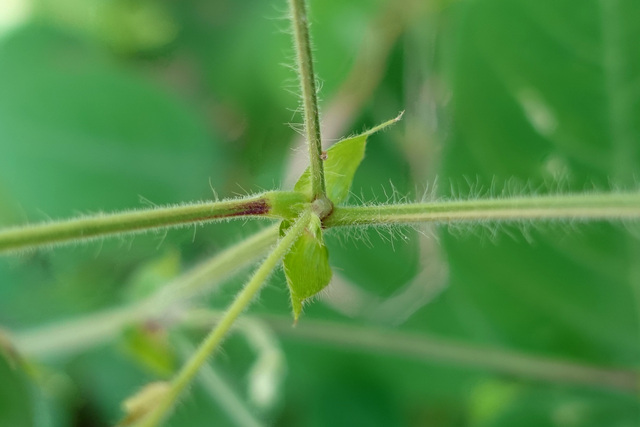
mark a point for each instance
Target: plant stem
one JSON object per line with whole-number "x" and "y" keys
{"x": 394, "y": 343}
{"x": 304, "y": 62}
{"x": 594, "y": 206}
{"x": 78, "y": 334}
{"x": 267, "y": 205}
{"x": 198, "y": 280}
{"x": 431, "y": 349}
{"x": 613, "y": 206}
{"x": 211, "y": 342}
{"x": 419, "y": 346}
{"x": 219, "y": 390}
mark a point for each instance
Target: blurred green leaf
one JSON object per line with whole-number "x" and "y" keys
{"x": 568, "y": 292}
{"x": 105, "y": 377}
{"x": 149, "y": 346}
{"x": 128, "y": 26}
{"x": 536, "y": 107}
{"x": 544, "y": 407}
{"x": 490, "y": 399}
{"x": 79, "y": 132}
{"x": 15, "y": 401}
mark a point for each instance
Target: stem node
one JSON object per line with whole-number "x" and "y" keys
{"x": 322, "y": 207}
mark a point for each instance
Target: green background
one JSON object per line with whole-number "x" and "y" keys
{"x": 114, "y": 104}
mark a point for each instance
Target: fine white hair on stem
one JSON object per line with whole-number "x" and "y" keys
{"x": 521, "y": 225}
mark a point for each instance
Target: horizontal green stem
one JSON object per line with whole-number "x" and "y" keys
{"x": 267, "y": 205}
{"x": 595, "y": 206}
{"x": 412, "y": 346}
{"x": 420, "y": 346}
{"x": 74, "y": 335}
{"x": 215, "y": 337}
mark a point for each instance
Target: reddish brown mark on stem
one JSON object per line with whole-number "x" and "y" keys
{"x": 255, "y": 207}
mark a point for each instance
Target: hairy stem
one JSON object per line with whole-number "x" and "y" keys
{"x": 267, "y": 205}
{"x": 612, "y": 206}
{"x": 219, "y": 390}
{"x": 200, "y": 279}
{"x": 304, "y": 62}
{"x": 78, "y": 334}
{"x": 215, "y": 337}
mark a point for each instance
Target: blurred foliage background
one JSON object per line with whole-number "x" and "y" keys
{"x": 114, "y": 104}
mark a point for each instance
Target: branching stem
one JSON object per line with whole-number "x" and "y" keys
{"x": 304, "y": 62}
{"x": 215, "y": 337}
{"x": 277, "y": 204}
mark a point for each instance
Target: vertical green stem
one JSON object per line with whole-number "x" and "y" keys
{"x": 212, "y": 341}
{"x": 304, "y": 62}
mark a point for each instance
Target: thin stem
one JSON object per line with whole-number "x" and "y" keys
{"x": 79, "y": 334}
{"x": 267, "y": 205}
{"x": 427, "y": 348}
{"x": 613, "y": 206}
{"x": 304, "y": 62}
{"x": 200, "y": 279}
{"x": 219, "y": 390}
{"x": 421, "y": 347}
{"x": 394, "y": 343}
{"x": 213, "y": 340}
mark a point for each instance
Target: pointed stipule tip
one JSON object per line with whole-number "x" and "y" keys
{"x": 397, "y": 119}
{"x": 295, "y": 321}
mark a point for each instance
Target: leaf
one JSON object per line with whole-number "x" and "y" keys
{"x": 539, "y": 406}
{"x": 341, "y": 164}
{"x": 148, "y": 345}
{"x": 306, "y": 266}
{"x": 490, "y": 398}
{"x": 16, "y": 409}
{"x": 126, "y": 26}
{"x": 84, "y": 133}
{"x": 555, "y": 111}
